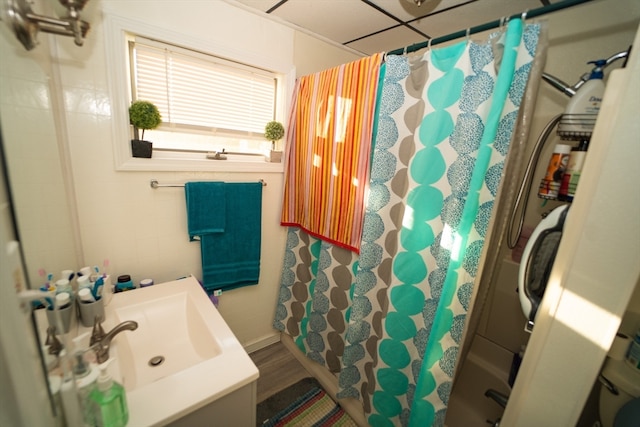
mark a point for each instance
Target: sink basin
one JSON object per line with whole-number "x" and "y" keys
{"x": 172, "y": 335}
{"x": 183, "y": 355}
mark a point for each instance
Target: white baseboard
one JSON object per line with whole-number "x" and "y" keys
{"x": 262, "y": 342}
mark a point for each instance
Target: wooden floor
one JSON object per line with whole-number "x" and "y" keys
{"x": 278, "y": 370}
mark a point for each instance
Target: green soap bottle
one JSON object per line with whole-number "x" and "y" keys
{"x": 109, "y": 400}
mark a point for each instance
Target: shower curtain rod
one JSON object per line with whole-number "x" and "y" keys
{"x": 488, "y": 26}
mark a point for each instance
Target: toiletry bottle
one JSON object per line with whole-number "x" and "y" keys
{"x": 86, "y": 376}
{"x": 574, "y": 169}
{"x": 146, "y": 282}
{"x": 83, "y": 282}
{"x": 63, "y": 285}
{"x": 633, "y": 354}
{"x": 124, "y": 283}
{"x": 70, "y": 402}
{"x": 550, "y": 184}
{"x": 63, "y": 301}
{"x": 109, "y": 400}
{"x": 583, "y": 108}
{"x": 85, "y": 296}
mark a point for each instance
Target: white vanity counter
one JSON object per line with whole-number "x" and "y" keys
{"x": 206, "y": 377}
{"x": 206, "y": 374}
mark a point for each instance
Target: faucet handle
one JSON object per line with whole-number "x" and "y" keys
{"x": 97, "y": 333}
{"x": 55, "y": 347}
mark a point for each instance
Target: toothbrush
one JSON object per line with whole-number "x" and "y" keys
{"x": 96, "y": 289}
{"x": 105, "y": 264}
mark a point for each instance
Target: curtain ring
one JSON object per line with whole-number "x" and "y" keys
{"x": 429, "y": 44}
{"x": 503, "y": 20}
{"x": 524, "y": 15}
{"x": 468, "y": 34}
{"x": 404, "y": 51}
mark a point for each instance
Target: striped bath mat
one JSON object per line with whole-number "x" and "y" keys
{"x": 313, "y": 409}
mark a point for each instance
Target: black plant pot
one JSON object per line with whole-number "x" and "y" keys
{"x": 140, "y": 148}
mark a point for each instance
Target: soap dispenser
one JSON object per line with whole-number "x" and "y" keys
{"x": 86, "y": 376}
{"x": 109, "y": 400}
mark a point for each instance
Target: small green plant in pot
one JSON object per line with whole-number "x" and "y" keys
{"x": 274, "y": 131}
{"x": 143, "y": 115}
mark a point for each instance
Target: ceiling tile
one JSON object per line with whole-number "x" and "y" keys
{"x": 386, "y": 41}
{"x": 369, "y": 26}
{"x": 262, "y": 5}
{"x": 339, "y": 20}
{"x": 471, "y": 15}
{"x": 407, "y": 10}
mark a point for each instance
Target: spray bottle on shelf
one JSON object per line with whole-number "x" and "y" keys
{"x": 582, "y": 110}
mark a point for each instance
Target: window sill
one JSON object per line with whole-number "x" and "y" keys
{"x": 234, "y": 163}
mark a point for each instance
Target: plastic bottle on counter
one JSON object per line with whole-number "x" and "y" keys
{"x": 86, "y": 376}
{"x": 124, "y": 283}
{"x": 146, "y": 282}
{"x": 83, "y": 282}
{"x": 63, "y": 300}
{"x": 109, "y": 400}
{"x": 85, "y": 296}
{"x": 64, "y": 286}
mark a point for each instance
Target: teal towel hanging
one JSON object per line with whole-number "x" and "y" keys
{"x": 206, "y": 208}
{"x": 231, "y": 259}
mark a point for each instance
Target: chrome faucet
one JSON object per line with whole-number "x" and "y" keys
{"x": 103, "y": 343}
{"x": 499, "y": 398}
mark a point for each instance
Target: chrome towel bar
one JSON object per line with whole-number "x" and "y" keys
{"x": 155, "y": 184}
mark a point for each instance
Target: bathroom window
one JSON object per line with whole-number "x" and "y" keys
{"x": 207, "y": 103}
{"x": 213, "y": 94}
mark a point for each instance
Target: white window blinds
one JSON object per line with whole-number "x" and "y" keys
{"x": 202, "y": 92}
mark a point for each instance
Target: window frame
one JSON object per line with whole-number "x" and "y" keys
{"x": 118, "y": 31}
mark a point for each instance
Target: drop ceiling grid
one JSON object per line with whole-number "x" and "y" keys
{"x": 339, "y": 20}
{"x": 472, "y": 15}
{"x": 388, "y": 40}
{"x": 407, "y": 10}
{"x": 365, "y": 25}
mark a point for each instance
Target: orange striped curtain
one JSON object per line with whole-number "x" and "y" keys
{"x": 328, "y": 151}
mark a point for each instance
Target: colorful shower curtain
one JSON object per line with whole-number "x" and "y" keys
{"x": 329, "y": 143}
{"x": 390, "y": 319}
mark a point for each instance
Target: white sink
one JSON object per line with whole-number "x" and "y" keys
{"x": 200, "y": 358}
{"x": 172, "y": 334}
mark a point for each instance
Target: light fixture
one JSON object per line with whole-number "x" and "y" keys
{"x": 27, "y": 24}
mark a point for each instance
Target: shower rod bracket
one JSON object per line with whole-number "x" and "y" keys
{"x": 26, "y": 24}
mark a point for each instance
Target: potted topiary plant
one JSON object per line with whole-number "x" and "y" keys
{"x": 274, "y": 131}
{"x": 143, "y": 115}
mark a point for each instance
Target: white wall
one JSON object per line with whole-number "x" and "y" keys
{"x": 141, "y": 231}
{"x": 56, "y": 117}
{"x": 37, "y": 169}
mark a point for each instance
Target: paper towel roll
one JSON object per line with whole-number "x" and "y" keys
{"x": 618, "y": 350}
